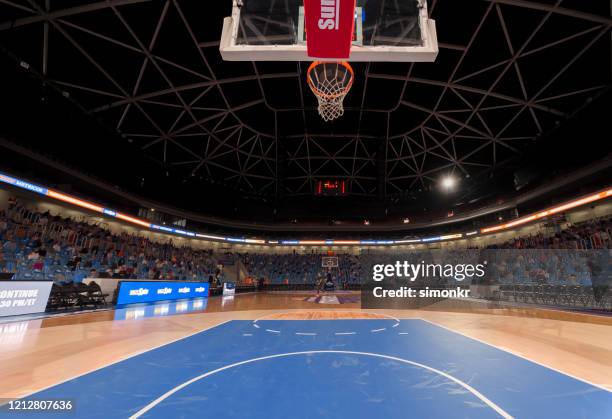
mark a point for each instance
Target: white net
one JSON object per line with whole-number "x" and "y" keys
{"x": 330, "y": 82}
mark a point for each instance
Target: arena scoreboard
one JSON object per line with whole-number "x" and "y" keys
{"x": 328, "y": 187}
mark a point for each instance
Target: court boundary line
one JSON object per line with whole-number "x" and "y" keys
{"x": 466, "y": 386}
{"x": 511, "y": 352}
{"x": 120, "y": 360}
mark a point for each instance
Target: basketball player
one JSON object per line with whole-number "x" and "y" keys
{"x": 320, "y": 284}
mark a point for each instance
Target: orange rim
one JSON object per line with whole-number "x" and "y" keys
{"x": 325, "y": 95}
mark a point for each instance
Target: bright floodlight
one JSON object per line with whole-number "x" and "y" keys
{"x": 448, "y": 182}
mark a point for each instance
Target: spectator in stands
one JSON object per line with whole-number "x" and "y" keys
{"x": 68, "y": 249}
{"x": 600, "y": 266}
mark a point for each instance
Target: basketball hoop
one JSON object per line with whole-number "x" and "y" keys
{"x": 330, "y": 81}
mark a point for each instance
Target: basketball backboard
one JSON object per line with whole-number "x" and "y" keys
{"x": 385, "y": 30}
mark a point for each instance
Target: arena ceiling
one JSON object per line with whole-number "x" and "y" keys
{"x": 508, "y": 72}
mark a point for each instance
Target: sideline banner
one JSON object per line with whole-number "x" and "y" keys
{"x": 23, "y": 297}
{"x": 229, "y": 288}
{"x": 148, "y": 291}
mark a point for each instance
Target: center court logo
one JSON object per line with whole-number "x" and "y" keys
{"x": 330, "y": 12}
{"x": 139, "y": 292}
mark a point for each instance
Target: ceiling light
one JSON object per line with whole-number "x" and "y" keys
{"x": 449, "y": 182}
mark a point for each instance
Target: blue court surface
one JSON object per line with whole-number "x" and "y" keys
{"x": 329, "y": 369}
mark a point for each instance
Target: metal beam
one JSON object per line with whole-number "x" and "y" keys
{"x": 66, "y": 12}
{"x": 558, "y": 10}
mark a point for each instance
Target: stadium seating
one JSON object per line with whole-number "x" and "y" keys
{"x": 41, "y": 246}
{"x": 297, "y": 268}
{"x": 38, "y": 245}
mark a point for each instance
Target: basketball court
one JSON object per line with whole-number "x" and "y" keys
{"x": 315, "y": 360}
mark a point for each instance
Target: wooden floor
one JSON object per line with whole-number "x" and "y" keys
{"x": 40, "y": 353}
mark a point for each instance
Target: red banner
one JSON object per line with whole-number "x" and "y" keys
{"x": 329, "y": 28}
